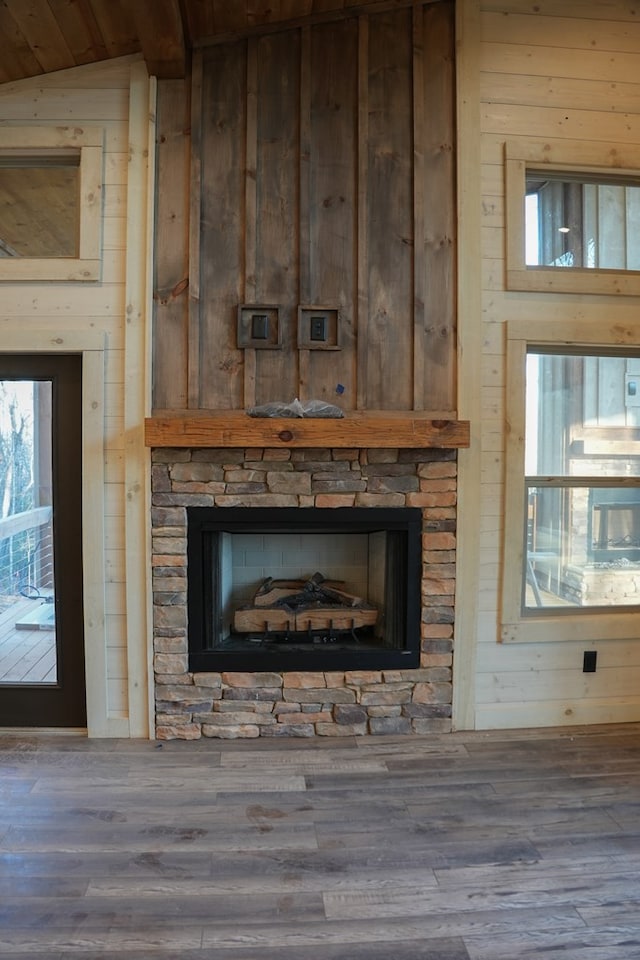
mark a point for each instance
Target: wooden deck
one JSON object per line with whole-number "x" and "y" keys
{"x": 26, "y": 655}
{"x": 501, "y": 846}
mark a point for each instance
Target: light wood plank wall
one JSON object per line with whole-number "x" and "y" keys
{"x": 99, "y": 96}
{"x": 563, "y": 72}
{"x": 322, "y": 174}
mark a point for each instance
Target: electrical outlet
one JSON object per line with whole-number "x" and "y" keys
{"x": 258, "y": 326}
{"x": 318, "y": 328}
{"x": 589, "y": 661}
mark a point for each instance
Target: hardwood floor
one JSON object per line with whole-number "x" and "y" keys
{"x": 500, "y": 846}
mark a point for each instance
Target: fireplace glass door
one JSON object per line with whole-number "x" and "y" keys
{"x": 303, "y": 588}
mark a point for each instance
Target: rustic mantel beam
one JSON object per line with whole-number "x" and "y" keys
{"x": 234, "y": 428}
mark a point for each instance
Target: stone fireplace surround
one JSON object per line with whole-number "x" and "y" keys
{"x": 302, "y": 704}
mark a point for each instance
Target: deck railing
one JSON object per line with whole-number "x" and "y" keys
{"x": 26, "y": 552}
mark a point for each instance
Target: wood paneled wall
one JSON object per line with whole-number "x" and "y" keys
{"x": 561, "y": 73}
{"x": 322, "y": 174}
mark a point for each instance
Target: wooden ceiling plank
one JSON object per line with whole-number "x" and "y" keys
{"x": 159, "y": 27}
{"x": 16, "y": 58}
{"x": 325, "y": 6}
{"x": 263, "y": 11}
{"x": 289, "y": 9}
{"x": 229, "y": 17}
{"x": 116, "y": 26}
{"x": 198, "y": 17}
{"x": 81, "y": 31}
{"x": 40, "y": 29}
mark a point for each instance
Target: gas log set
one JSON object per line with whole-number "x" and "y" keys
{"x": 317, "y": 610}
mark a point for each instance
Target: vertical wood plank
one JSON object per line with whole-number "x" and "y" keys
{"x": 140, "y": 186}
{"x": 438, "y": 254}
{"x": 389, "y": 338}
{"x": 222, "y": 224}
{"x": 250, "y": 202}
{"x": 197, "y": 121}
{"x": 304, "y": 374}
{"x": 170, "y": 345}
{"x": 362, "y": 266}
{"x": 277, "y": 217}
{"x": 333, "y": 201}
{"x": 305, "y": 158}
{"x": 419, "y": 285}
{"x": 304, "y": 254}
{"x": 249, "y": 378}
{"x": 251, "y": 173}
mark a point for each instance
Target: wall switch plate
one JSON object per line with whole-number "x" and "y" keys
{"x": 589, "y": 661}
{"x": 259, "y": 326}
{"x": 318, "y": 328}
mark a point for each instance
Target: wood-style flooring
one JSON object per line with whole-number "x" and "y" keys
{"x": 500, "y": 846}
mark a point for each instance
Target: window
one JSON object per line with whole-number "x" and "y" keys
{"x": 39, "y": 206}
{"x": 572, "y": 219}
{"x": 50, "y": 203}
{"x": 572, "y": 517}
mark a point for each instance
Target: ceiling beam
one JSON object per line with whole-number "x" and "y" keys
{"x": 324, "y": 11}
{"x": 159, "y": 27}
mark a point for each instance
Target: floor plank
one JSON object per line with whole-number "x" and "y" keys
{"x": 502, "y": 846}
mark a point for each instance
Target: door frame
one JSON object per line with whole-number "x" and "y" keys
{"x": 91, "y": 344}
{"x": 55, "y": 453}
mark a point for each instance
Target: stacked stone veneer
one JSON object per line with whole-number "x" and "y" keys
{"x": 302, "y": 704}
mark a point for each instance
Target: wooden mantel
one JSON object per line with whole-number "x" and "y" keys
{"x": 235, "y": 428}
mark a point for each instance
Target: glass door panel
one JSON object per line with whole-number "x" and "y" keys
{"x": 27, "y": 582}
{"x": 42, "y": 679}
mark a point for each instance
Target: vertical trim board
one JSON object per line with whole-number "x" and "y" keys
{"x": 136, "y": 403}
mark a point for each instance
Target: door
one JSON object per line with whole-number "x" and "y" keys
{"x": 42, "y": 680}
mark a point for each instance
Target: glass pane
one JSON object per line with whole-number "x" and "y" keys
{"x": 582, "y": 415}
{"x": 575, "y": 222}
{"x": 583, "y": 547}
{"x": 39, "y": 208}
{"x": 27, "y": 601}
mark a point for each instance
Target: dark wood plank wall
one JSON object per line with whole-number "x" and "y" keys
{"x": 322, "y": 174}
{"x": 171, "y": 268}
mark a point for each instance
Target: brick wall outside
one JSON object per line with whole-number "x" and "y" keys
{"x": 302, "y": 704}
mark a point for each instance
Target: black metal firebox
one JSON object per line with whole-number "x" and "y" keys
{"x": 276, "y": 589}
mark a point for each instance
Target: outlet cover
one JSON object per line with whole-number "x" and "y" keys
{"x": 259, "y": 326}
{"x": 318, "y": 328}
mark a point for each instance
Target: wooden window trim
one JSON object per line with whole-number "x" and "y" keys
{"x": 587, "y": 157}
{"x": 566, "y": 625}
{"x": 88, "y": 145}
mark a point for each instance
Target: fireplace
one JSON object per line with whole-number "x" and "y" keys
{"x": 303, "y": 588}
{"x": 395, "y": 679}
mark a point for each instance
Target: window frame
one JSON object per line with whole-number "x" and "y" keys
{"x": 579, "y": 157}
{"x": 87, "y": 144}
{"x": 569, "y": 623}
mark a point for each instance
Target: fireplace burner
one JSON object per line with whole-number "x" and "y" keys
{"x": 253, "y": 606}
